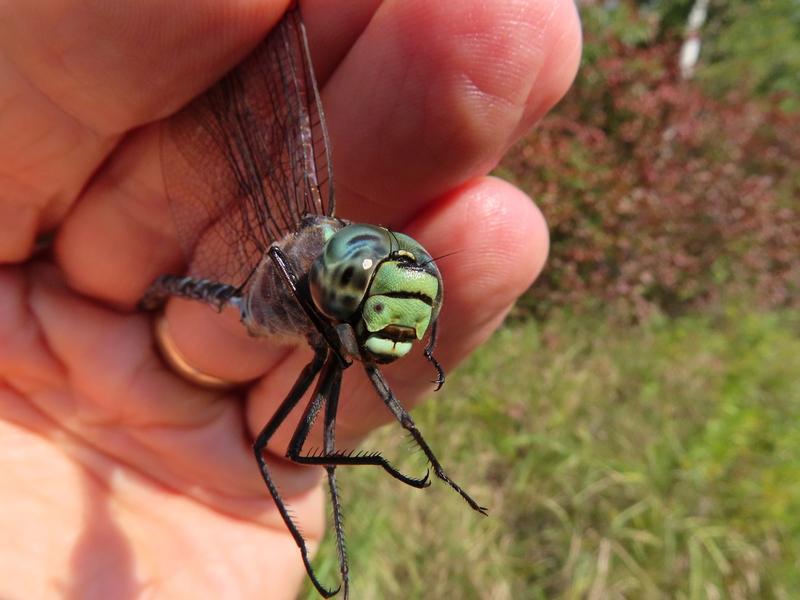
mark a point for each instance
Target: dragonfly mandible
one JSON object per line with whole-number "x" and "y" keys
{"x": 249, "y": 178}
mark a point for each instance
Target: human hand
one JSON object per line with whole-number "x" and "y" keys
{"x": 118, "y": 477}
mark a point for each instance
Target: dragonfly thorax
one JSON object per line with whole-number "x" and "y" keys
{"x": 384, "y": 284}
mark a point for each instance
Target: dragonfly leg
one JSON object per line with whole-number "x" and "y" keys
{"x": 401, "y": 414}
{"x": 289, "y": 277}
{"x": 211, "y": 292}
{"x": 327, "y": 392}
{"x": 338, "y": 527}
{"x": 303, "y": 382}
{"x": 329, "y": 437}
{"x": 366, "y": 458}
{"x": 330, "y": 457}
{"x": 431, "y": 359}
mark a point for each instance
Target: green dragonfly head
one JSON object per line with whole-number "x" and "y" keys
{"x": 384, "y": 284}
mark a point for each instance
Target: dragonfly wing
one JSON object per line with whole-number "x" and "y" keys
{"x": 245, "y": 161}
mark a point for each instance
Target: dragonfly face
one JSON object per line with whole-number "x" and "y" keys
{"x": 384, "y": 284}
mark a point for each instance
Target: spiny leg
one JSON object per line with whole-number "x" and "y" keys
{"x": 401, "y": 414}
{"x": 211, "y": 292}
{"x": 372, "y": 458}
{"x": 326, "y": 391}
{"x": 328, "y": 386}
{"x": 330, "y": 457}
{"x": 299, "y": 388}
{"x": 428, "y": 352}
{"x": 329, "y": 440}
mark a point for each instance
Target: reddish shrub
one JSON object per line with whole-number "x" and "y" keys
{"x": 659, "y": 196}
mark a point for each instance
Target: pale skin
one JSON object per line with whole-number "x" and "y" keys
{"x": 118, "y": 478}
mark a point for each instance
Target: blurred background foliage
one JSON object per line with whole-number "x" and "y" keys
{"x": 635, "y": 427}
{"x": 754, "y": 46}
{"x": 664, "y": 194}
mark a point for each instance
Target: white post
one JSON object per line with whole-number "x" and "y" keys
{"x": 690, "y": 50}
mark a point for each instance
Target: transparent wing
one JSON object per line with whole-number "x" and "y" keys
{"x": 244, "y": 162}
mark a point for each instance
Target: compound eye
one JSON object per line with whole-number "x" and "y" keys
{"x": 341, "y": 275}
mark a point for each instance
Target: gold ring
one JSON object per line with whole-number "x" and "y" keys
{"x": 177, "y": 361}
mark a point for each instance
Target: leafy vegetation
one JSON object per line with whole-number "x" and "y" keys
{"x": 656, "y": 461}
{"x": 755, "y": 47}
{"x": 660, "y": 196}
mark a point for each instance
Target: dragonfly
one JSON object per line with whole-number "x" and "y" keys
{"x": 248, "y": 173}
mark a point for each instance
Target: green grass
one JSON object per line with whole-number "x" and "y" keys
{"x": 656, "y": 461}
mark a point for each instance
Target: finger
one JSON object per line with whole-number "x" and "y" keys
{"x": 500, "y": 242}
{"x": 113, "y": 67}
{"x": 105, "y": 384}
{"x": 123, "y": 226}
{"x": 74, "y": 76}
{"x": 433, "y": 93}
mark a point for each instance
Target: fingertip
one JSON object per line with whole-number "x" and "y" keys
{"x": 443, "y": 89}
{"x": 496, "y": 241}
{"x": 563, "y": 46}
